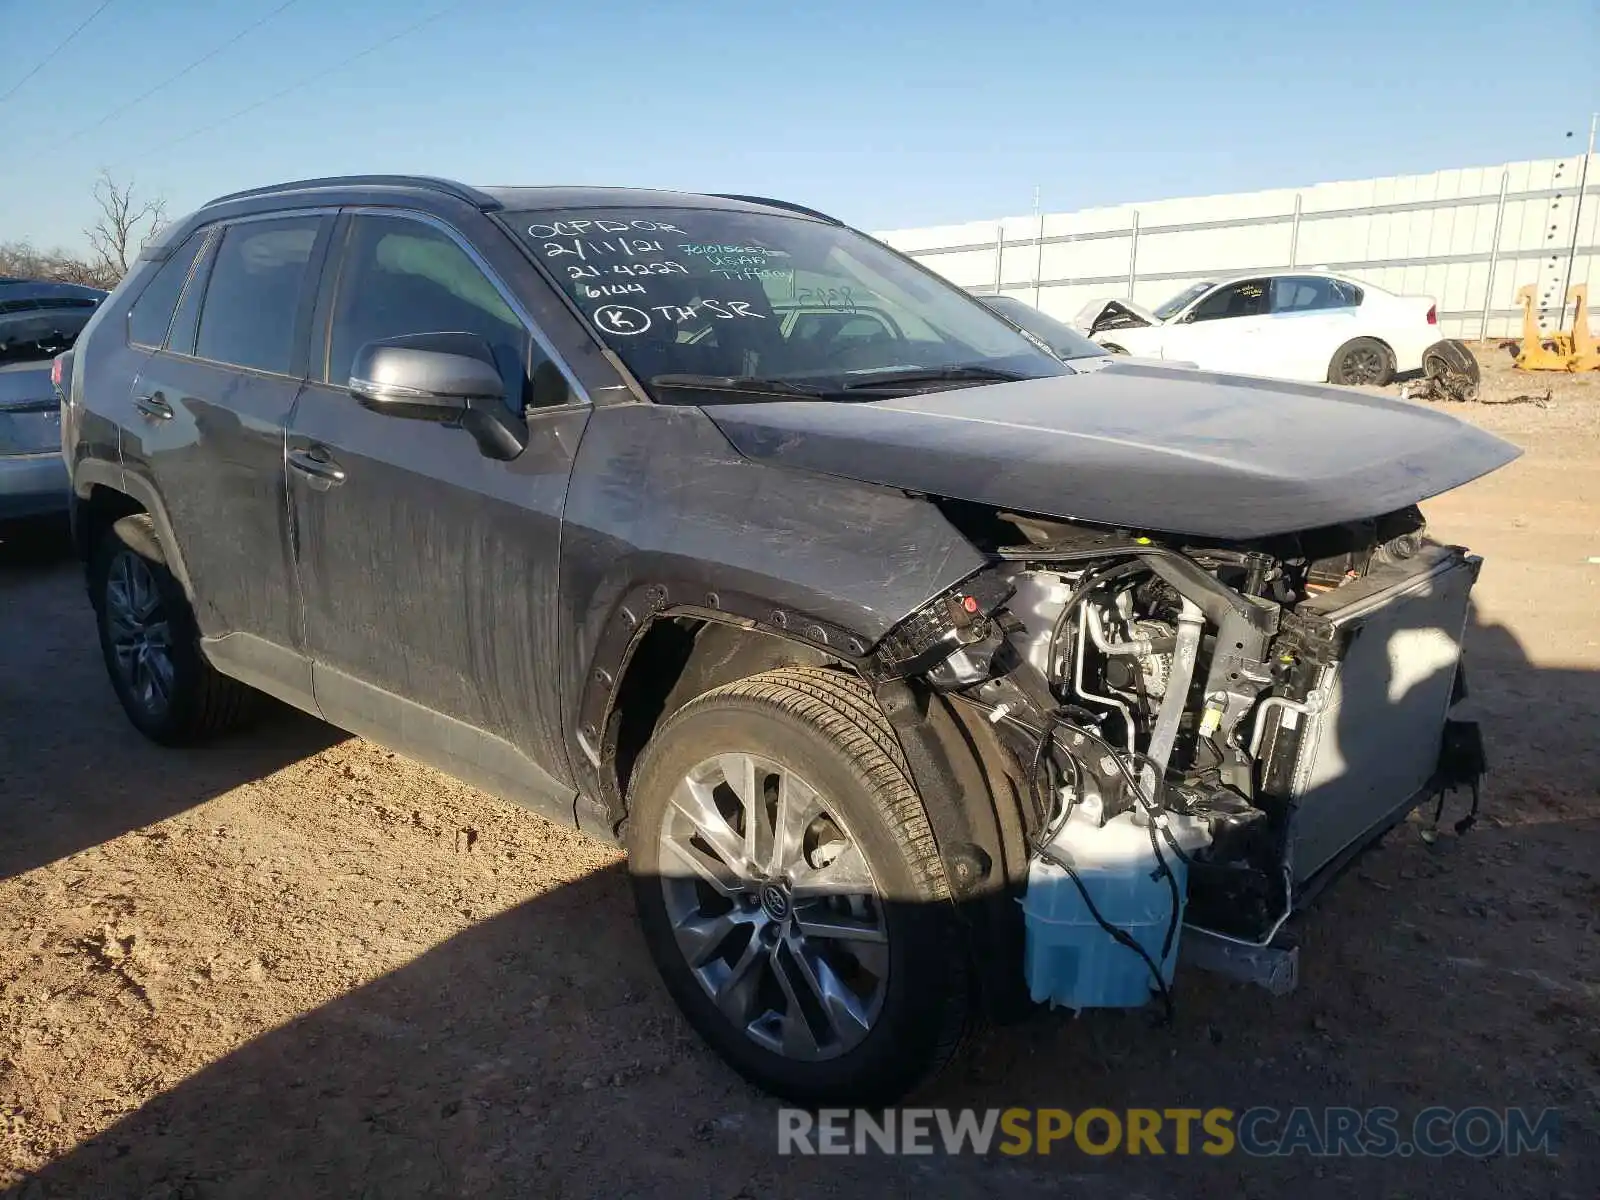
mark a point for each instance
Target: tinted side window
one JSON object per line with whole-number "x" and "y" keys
{"x": 253, "y": 299}
{"x": 186, "y": 321}
{"x": 1308, "y": 293}
{"x": 1247, "y": 299}
{"x": 402, "y": 276}
{"x": 39, "y": 333}
{"x": 152, "y": 311}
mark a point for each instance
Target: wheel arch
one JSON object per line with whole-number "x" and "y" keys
{"x": 658, "y": 651}
{"x": 970, "y": 784}
{"x": 101, "y": 498}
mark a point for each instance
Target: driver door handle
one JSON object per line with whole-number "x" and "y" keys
{"x": 154, "y": 404}
{"x": 318, "y": 466}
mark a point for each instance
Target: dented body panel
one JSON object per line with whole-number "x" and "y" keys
{"x": 663, "y": 507}
{"x": 1148, "y": 448}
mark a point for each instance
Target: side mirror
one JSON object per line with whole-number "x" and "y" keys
{"x": 450, "y": 378}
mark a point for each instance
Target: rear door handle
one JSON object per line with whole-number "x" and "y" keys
{"x": 318, "y": 466}
{"x": 154, "y": 405}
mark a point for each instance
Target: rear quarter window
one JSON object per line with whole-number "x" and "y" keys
{"x": 152, "y": 311}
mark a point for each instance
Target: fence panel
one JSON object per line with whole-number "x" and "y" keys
{"x": 1470, "y": 238}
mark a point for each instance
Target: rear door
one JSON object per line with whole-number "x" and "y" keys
{"x": 210, "y": 406}
{"x": 428, "y": 570}
{"x": 1312, "y": 316}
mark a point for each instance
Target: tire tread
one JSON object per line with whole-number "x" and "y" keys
{"x": 843, "y": 709}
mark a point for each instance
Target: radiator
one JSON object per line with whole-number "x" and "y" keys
{"x": 1373, "y": 747}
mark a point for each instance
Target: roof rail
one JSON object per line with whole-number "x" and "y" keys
{"x": 771, "y": 203}
{"x": 449, "y": 187}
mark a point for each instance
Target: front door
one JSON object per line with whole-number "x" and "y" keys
{"x": 1222, "y": 330}
{"x": 428, "y": 570}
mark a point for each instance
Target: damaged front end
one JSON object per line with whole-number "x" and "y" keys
{"x": 1207, "y": 731}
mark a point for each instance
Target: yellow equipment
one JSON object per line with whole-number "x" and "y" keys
{"x": 1534, "y": 355}
{"x": 1585, "y": 357}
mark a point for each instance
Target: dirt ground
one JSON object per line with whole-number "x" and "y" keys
{"x": 293, "y": 964}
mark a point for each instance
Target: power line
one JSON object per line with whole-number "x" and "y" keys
{"x": 305, "y": 82}
{"x": 172, "y": 79}
{"x": 60, "y": 46}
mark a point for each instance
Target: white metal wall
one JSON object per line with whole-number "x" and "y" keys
{"x": 1469, "y": 238}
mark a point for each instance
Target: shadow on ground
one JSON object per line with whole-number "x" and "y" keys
{"x": 84, "y": 775}
{"x": 536, "y": 1054}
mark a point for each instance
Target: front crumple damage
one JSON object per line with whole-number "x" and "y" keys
{"x": 1208, "y": 730}
{"x": 1149, "y": 448}
{"x": 1103, "y": 315}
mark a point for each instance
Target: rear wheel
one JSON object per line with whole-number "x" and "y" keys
{"x": 151, "y": 643}
{"x": 791, "y": 892}
{"x": 1362, "y": 362}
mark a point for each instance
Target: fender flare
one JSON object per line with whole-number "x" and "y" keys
{"x": 593, "y": 740}
{"x": 91, "y": 473}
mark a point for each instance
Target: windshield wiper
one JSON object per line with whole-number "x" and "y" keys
{"x": 916, "y": 375}
{"x": 736, "y": 383}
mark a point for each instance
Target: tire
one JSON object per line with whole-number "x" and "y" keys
{"x": 1112, "y": 348}
{"x": 1453, "y": 369}
{"x": 908, "y": 996}
{"x": 1362, "y": 362}
{"x": 151, "y": 643}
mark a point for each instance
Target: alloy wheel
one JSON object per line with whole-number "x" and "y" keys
{"x": 140, "y": 632}
{"x": 774, "y": 907}
{"x": 1364, "y": 365}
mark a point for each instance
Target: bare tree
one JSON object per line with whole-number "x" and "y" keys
{"x": 21, "y": 260}
{"x": 126, "y": 223}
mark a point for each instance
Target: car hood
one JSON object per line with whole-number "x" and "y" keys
{"x": 1143, "y": 448}
{"x": 1113, "y": 312}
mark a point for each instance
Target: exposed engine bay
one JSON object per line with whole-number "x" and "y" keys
{"x": 1211, "y": 730}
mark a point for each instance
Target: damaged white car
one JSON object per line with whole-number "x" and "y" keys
{"x": 1313, "y": 326}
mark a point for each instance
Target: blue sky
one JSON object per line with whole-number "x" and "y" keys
{"x": 887, "y": 113}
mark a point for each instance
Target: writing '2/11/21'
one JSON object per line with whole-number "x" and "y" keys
{"x": 624, "y": 320}
{"x": 585, "y": 248}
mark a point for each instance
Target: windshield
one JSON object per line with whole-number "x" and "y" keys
{"x": 1063, "y": 339}
{"x": 1182, "y": 300}
{"x": 715, "y": 292}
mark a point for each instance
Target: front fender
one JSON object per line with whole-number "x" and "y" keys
{"x": 663, "y": 513}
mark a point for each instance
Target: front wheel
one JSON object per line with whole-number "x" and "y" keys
{"x": 1362, "y": 362}
{"x": 791, "y": 893}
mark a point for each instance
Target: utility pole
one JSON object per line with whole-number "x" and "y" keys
{"x": 1577, "y": 218}
{"x": 1038, "y": 252}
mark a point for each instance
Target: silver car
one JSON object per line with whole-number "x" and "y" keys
{"x": 37, "y": 322}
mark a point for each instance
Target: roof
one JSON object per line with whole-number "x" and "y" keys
{"x": 492, "y": 199}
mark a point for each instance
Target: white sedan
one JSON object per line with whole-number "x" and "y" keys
{"x": 1308, "y": 325}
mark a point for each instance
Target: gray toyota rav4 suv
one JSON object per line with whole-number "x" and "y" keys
{"x": 922, "y": 676}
